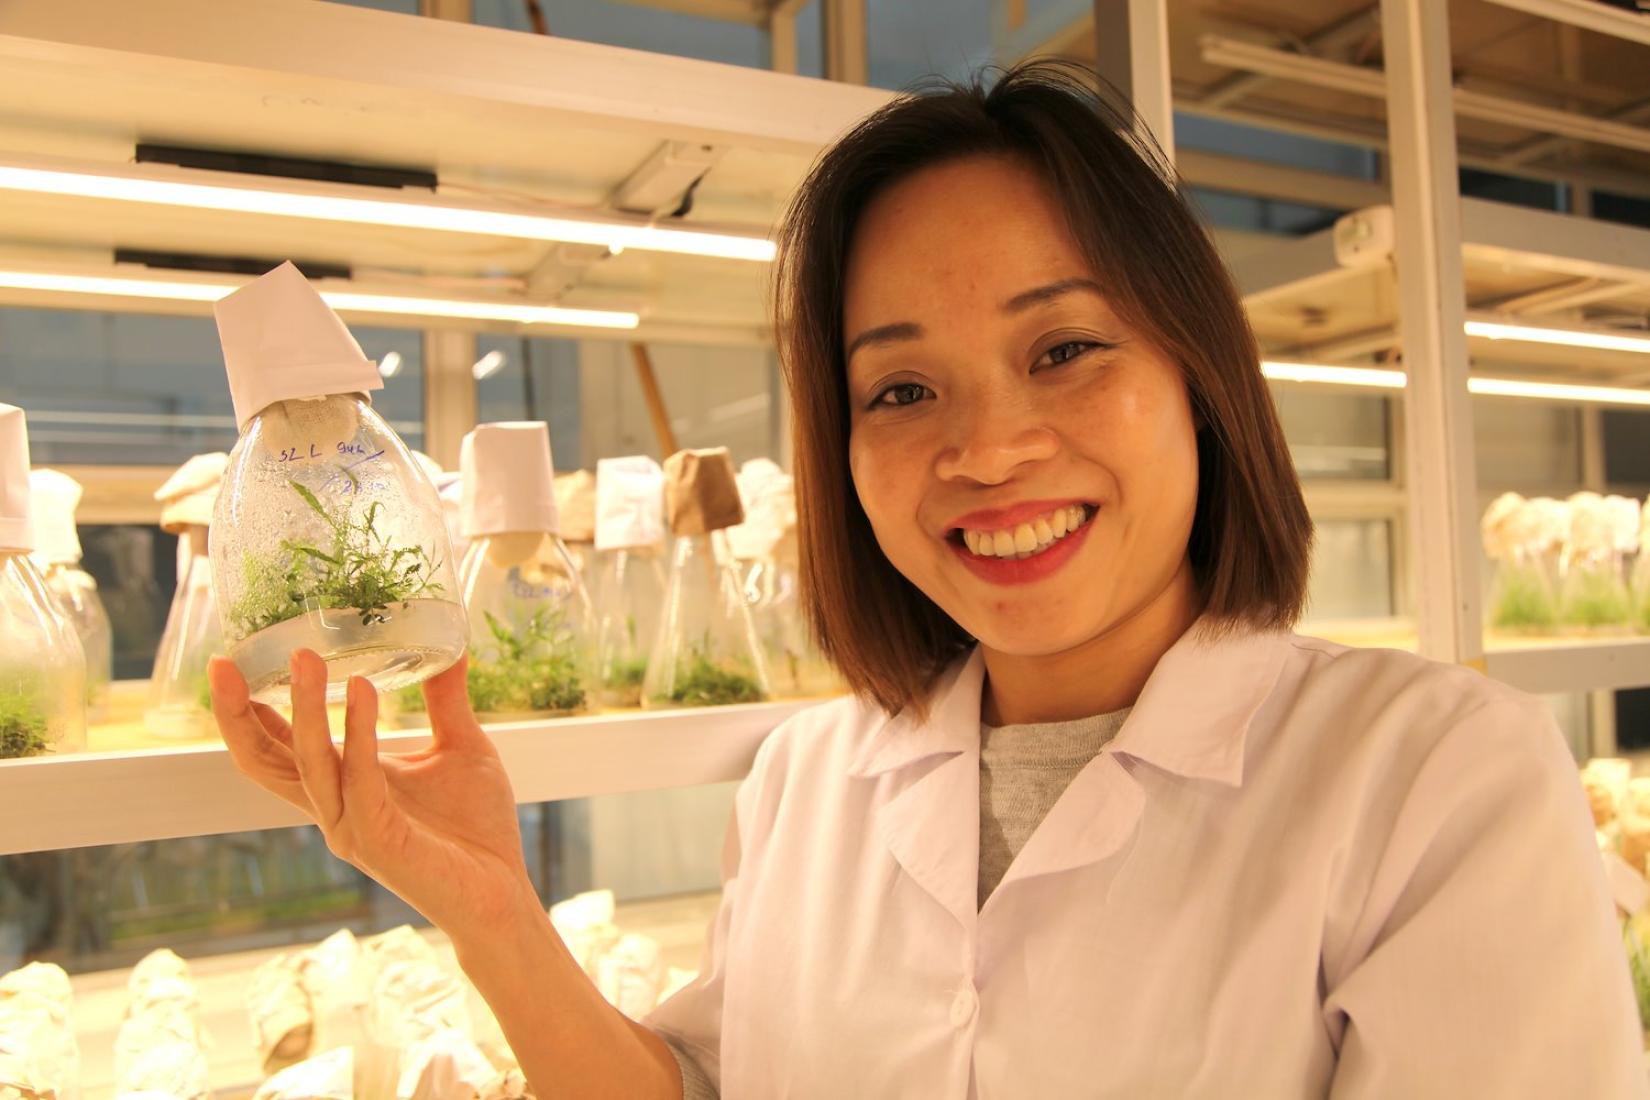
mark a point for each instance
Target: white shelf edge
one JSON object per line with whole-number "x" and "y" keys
{"x": 1572, "y": 664}
{"x": 1587, "y": 14}
{"x": 84, "y": 799}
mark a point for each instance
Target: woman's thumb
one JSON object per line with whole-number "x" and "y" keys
{"x": 447, "y": 699}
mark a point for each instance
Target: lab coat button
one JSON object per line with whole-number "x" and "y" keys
{"x": 963, "y": 1006}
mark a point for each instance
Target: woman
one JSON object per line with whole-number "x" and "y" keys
{"x": 1094, "y": 822}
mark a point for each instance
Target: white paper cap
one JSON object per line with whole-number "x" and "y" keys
{"x": 16, "y": 527}
{"x": 189, "y": 495}
{"x": 508, "y": 479}
{"x": 769, "y": 494}
{"x": 630, "y": 502}
{"x": 281, "y": 341}
{"x": 54, "y": 496}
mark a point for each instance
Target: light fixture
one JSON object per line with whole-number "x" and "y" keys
{"x": 167, "y": 185}
{"x": 1378, "y": 378}
{"x": 179, "y": 290}
{"x": 488, "y": 365}
{"x": 1564, "y": 337}
{"x": 390, "y": 365}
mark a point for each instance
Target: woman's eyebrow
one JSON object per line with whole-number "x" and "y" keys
{"x": 1038, "y": 295}
{"x": 883, "y": 334}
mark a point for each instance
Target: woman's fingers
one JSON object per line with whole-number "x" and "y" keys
{"x": 364, "y": 787}
{"x": 447, "y": 701}
{"x": 254, "y": 747}
{"x": 318, "y": 765}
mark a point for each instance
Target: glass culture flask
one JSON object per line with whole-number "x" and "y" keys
{"x": 1593, "y": 597}
{"x": 532, "y": 643}
{"x": 631, "y": 582}
{"x": 180, "y": 704}
{"x": 765, "y": 547}
{"x": 42, "y": 667}
{"x": 326, "y": 535}
{"x": 55, "y": 496}
{"x": 705, "y": 652}
{"x": 576, "y": 507}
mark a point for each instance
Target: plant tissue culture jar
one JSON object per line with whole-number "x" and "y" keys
{"x": 705, "y": 653}
{"x": 630, "y": 571}
{"x": 180, "y": 703}
{"x": 42, "y": 667}
{"x": 55, "y": 496}
{"x": 532, "y": 645}
{"x": 326, "y": 535}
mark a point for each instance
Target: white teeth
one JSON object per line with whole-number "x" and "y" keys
{"x": 1027, "y": 539}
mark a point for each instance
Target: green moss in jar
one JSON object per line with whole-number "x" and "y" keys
{"x": 22, "y": 727}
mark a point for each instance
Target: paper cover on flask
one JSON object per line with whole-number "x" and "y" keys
{"x": 281, "y": 341}
{"x": 508, "y": 480}
{"x": 16, "y": 525}
{"x": 630, "y": 502}
{"x": 53, "y": 498}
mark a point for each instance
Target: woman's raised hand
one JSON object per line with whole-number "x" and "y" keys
{"x": 437, "y": 827}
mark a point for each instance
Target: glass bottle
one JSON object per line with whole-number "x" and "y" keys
{"x": 1593, "y": 596}
{"x": 631, "y": 581}
{"x": 42, "y": 667}
{"x": 55, "y": 496}
{"x": 326, "y": 535}
{"x": 180, "y": 703}
{"x": 576, "y": 511}
{"x": 532, "y": 642}
{"x": 706, "y": 652}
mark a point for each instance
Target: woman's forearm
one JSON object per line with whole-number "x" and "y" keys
{"x": 569, "y": 1040}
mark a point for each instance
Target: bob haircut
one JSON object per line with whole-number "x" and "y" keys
{"x": 1251, "y": 536}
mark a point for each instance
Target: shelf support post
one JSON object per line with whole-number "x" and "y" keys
{"x": 1438, "y": 432}
{"x": 1131, "y": 43}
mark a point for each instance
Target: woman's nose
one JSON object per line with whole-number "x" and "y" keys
{"x": 992, "y": 439}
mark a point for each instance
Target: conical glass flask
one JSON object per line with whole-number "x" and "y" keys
{"x": 42, "y": 667}
{"x": 532, "y": 628}
{"x": 576, "y": 512}
{"x": 706, "y": 652}
{"x": 326, "y": 535}
{"x": 54, "y": 498}
{"x": 631, "y": 581}
{"x": 632, "y": 584}
{"x": 180, "y": 703}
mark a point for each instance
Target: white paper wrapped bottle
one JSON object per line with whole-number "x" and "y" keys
{"x": 179, "y": 703}
{"x": 630, "y": 531}
{"x": 532, "y": 642}
{"x": 55, "y": 496}
{"x": 706, "y": 651}
{"x": 327, "y": 535}
{"x": 42, "y": 667}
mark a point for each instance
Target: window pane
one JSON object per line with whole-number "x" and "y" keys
{"x": 911, "y": 39}
{"x": 1351, "y": 570}
{"x": 115, "y": 389}
{"x": 1335, "y": 435}
{"x": 538, "y": 380}
{"x": 1527, "y": 446}
{"x": 136, "y": 571}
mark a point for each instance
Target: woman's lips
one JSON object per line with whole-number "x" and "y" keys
{"x": 1015, "y": 571}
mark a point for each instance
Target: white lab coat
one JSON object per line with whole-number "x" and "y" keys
{"x": 1300, "y": 870}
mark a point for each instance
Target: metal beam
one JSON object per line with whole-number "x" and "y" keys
{"x": 1364, "y": 81}
{"x": 845, "y": 44}
{"x": 1588, "y": 14}
{"x": 1275, "y": 181}
{"x": 1432, "y": 312}
{"x": 1131, "y": 49}
{"x": 1328, "y": 40}
{"x": 753, "y": 13}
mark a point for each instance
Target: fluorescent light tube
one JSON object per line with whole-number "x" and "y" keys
{"x": 1564, "y": 337}
{"x": 390, "y": 365}
{"x": 488, "y": 365}
{"x": 1376, "y": 378}
{"x": 203, "y": 190}
{"x": 464, "y": 309}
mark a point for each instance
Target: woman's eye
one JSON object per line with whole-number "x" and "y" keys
{"x": 1066, "y": 352}
{"x": 904, "y": 393}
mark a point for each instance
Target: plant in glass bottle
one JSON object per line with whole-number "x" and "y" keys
{"x": 55, "y": 497}
{"x": 630, "y": 529}
{"x": 765, "y": 546}
{"x": 180, "y": 704}
{"x": 1594, "y": 594}
{"x": 532, "y": 642}
{"x": 326, "y": 535}
{"x": 1517, "y": 534}
{"x": 42, "y": 667}
{"x": 1641, "y": 574}
{"x": 706, "y": 651}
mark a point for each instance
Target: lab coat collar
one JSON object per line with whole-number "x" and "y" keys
{"x": 1191, "y": 719}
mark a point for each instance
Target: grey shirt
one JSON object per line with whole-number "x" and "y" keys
{"x": 1023, "y": 771}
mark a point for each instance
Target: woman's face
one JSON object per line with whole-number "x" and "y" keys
{"x": 1026, "y": 459}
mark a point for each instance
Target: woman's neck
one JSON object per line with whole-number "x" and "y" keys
{"x": 1104, "y": 674}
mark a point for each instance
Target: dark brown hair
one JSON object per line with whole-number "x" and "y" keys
{"x": 1251, "y": 536}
